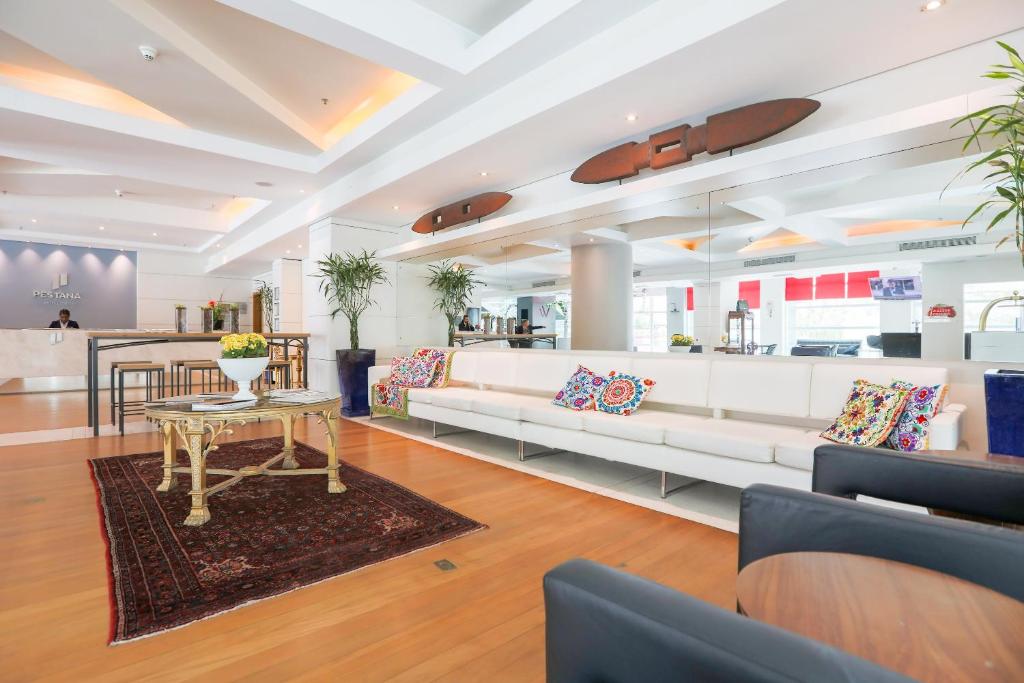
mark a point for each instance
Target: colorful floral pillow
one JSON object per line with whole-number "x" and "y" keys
{"x": 870, "y": 414}
{"x": 578, "y": 393}
{"x": 623, "y": 393}
{"x": 913, "y": 424}
{"x": 444, "y": 364}
{"x": 413, "y": 372}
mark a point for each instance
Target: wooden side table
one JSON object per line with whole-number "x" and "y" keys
{"x": 198, "y": 431}
{"x": 921, "y": 623}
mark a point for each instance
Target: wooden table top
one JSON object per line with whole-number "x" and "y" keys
{"x": 214, "y": 336}
{"x": 921, "y": 623}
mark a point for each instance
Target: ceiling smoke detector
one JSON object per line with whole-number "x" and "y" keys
{"x": 148, "y": 53}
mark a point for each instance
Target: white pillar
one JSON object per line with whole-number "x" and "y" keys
{"x": 287, "y": 283}
{"x": 708, "y": 316}
{"x": 602, "y": 297}
{"x": 403, "y": 317}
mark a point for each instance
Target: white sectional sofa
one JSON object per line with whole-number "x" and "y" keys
{"x": 726, "y": 419}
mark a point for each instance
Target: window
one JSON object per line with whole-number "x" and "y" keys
{"x": 650, "y": 319}
{"x": 1004, "y": 317}
{"x": 831, "y": 320}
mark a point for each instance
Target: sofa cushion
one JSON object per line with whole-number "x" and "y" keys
{"x": 543, "y": 371}
{"x": 413, "y": 372}
{"x": 464, "y": 366}
{"x": 443, "y": 358}
{"x": 798, "y": 451}
{"x": 417, "y": 395}
{"x": 753, "y": 386}
{"x": 542, "y": 412}
{"x": 870, "y": 413}
{"x": 456, "y": 398}
{"x": 496, "y": 368}
{"x": 913, "y": 427}
{"x": 647, "y": 426}
{"x": 753, "y": 441}
{"x": 500, "y": 404}
{"x": 580, "y": 390}
{"x": 682, "y": 380}
{"x": 623, "y": 394}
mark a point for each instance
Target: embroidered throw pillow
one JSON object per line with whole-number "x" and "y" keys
{"x": 623, "y": 393}
{"x": 911, "y": 432}
{"x": 579, "y": 392}
{"x": 870, "y": 414}
{"x": 444, "y": 364}
{"x": 412, "y": 372}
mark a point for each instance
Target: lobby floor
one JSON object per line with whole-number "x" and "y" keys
{"x": 400, "y": 620}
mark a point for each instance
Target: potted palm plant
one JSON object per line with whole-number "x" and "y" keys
{"x": 347, "y": 280}
{"x": 454, "y": 286}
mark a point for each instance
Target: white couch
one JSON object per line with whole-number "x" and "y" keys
{"x": 735, "y": 421}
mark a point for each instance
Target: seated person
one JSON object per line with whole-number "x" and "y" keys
{"x": 64, "y": 320}
{"x": 465, "y": 325}
{"x": 527, "y": 328}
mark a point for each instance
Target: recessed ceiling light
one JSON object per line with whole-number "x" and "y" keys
{"x": 631, "y": 117}
{"x": 302, "y": 192}
{"x": 483, "y": 173}
{"x": 33, "y": 220}
{"x": 154, "y": 234}
{"x": 932, "y": 5}
{"x": 300, "y": 246}
{"x": 395, "y": 207}
{"x": 287, "y": 251}
{"x": 591, "y": 239}
{"x": 218, "y": 245}
{"x": 102, "y": 228}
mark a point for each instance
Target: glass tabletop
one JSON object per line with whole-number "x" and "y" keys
{"x": 216, "y": 402}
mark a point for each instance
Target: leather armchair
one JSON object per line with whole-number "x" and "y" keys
{"x": 777, "y": 520}
{"x": 607, "y": 626}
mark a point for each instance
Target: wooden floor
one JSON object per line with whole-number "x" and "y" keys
{"x": 402, "y": 620}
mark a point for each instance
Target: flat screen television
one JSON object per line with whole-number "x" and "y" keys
{"x": 899, "y": 288}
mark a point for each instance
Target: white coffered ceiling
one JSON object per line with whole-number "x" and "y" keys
{"x": 259, "y": 117}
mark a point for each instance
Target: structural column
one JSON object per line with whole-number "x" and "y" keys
{"x": 602, "y": 296}
{"x": 287, "y": 283}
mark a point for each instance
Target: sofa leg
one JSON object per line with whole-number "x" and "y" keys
{"x": 456, "y": 431}
{"x": 665, "y": 491}
{"x": 524, "y": 456}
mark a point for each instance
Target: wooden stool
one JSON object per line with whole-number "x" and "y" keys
{"x": 149, "y": 369}
{"x": 284, "y": 368}
{"x": 178, "y": 374}
{"x": 209, "y": 371}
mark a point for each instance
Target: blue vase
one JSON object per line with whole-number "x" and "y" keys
{"x": 1004, "y": 406}
{"x": 353, "y": 372}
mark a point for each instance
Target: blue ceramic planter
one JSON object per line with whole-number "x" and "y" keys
{"x": 353, "y": 372}
{"x": 1004, "y": 407}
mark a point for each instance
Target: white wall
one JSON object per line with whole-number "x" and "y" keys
{"x": 288, "y": 284}
{"x": 943, "y": 283}
{"x": 772, "y": 314}
{"x": 167, "y": 278}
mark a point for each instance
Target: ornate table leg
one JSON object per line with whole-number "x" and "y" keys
{"x": 170, "y": 452}
{"x": 193, "y": 437}
{"x": 334, "y": 485}
{"x": 288, "y": 424}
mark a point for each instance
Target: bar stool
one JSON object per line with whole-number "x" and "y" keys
{"x": 209, "y": 372}
{"x": 283, "y": 368}
{"x": 149, "y": 370}
{"x": 178, "y": 374}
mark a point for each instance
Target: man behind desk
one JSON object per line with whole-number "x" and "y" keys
{"x": 64, "y": 320}
{"x": 525, "y": 328}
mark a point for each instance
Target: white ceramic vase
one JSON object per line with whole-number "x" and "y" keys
{"x": 243, "y": 371}
{"x": 678, "y": 349}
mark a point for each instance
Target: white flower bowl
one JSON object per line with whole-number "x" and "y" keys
{"x": 243, "y": 371}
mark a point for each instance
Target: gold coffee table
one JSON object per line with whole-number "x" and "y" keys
{"x": 198, "y": 430}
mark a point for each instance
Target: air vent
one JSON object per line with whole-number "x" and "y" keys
{"x": 636, "y": 273}
{"x": 938, "y": 244}
{"x": 544, "y": 283}
{"x": 769, "y": 261}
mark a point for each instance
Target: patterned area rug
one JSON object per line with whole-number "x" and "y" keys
{"x": 267, "y": 535}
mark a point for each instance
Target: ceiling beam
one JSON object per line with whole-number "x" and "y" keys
{"x": 100, "y": 209}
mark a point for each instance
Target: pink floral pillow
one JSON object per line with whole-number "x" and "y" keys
{"x": 413, "y": 372}
{"x": 912, "y": 430}
{"x": 579, "y": 391}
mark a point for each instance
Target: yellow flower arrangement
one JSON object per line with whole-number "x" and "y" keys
{"x": 682, "y": 340}
{"x": 248, "y": 345}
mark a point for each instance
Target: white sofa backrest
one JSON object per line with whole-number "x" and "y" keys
{"x": 602, "y": 365}
{"x": 752, "y": 387}
{"x": 678, "y": 381}
{"x": 831, "y": 382}
{"x": 543, "y": 372}
{"x": 463, "y": 367}
{"x": 495, "y": 368}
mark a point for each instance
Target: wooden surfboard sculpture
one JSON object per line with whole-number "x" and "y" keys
{"x": 469, "y": 209}
{"x": 720, "y": 133}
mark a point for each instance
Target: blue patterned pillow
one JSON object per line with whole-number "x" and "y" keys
{"x": 622, "y": 394}
{"x": 578, "y": 393}
{"x": 911, "y": 432}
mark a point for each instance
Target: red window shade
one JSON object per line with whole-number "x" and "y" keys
{"x": 799, "y": 288}
{"x": 751, "y": 292}
{"x": 831, "y": 286}
{"x": 858, "y": 284}
{"x": 689, "y": 298}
